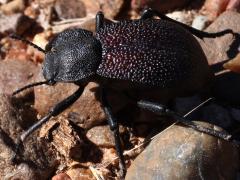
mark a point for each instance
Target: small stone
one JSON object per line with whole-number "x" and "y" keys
{"x": 200, "y": 22}
{"x": 183, "y": 153}
{"x": 15, "y": 23}
{"x": 101, "y": 136}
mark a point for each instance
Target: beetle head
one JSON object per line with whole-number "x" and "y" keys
{"x": 72, "y": 56}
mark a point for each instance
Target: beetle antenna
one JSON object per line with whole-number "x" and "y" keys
{"x": 29, "y": 86}
{"x": 14, "y": 36}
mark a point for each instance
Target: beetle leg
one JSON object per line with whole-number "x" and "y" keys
{"x": 149, "y": 13}
{"x": 163, "y": 110}
{"x": 99, "y": 21}
{"x": 56, "y": 110}
{"x": 115, "y": 129}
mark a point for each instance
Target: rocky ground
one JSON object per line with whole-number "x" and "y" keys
{"x": 78, "y": 143}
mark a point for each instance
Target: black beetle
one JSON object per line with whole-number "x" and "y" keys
{"x": 145, "y": 55}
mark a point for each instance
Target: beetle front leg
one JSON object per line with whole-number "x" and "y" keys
{"x": 56, "y": 110}
{"x": 163, "y": 110}
{"x": 115, "y": 129}
{"x": 150, "y": 13}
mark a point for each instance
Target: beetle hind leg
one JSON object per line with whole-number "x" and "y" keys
{"x": 150, "y": 13}
{"x": 163, "y": 110}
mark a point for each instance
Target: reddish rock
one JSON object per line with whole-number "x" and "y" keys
{"x": 15, "y": 74}
{"x": 182, "y": 153}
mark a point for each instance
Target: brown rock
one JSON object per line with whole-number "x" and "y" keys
{"x": 101, "y": 136}
{"x": 15, "y": 23}
{"x": 182, "y": 153}
{"x": 70, "y": 9}
{"x": 224, "y": 47}
{"x": 15, "y": 74}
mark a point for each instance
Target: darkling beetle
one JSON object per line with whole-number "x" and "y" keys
{"x": 143, "y": 55}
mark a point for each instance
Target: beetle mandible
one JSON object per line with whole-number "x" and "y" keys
{"x": 145, "y": 55}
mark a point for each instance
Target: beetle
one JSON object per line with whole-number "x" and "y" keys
{"x": 145, "y": 55}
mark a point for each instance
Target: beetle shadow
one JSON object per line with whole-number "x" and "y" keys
{"x": 90, "y": 151}
{"x": 234, "y": 47}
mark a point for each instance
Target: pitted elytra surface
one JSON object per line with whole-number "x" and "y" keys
{"x": 154, "y": 52}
